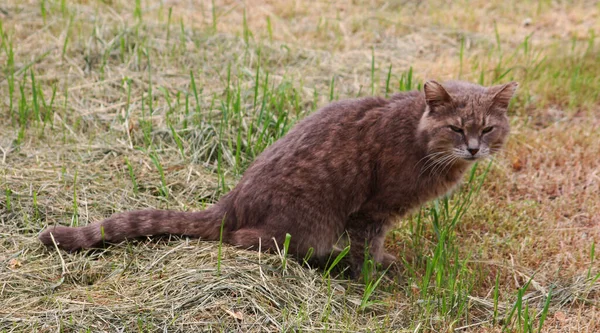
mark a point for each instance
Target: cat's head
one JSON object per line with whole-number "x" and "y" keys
{"x": 464, "y": 121}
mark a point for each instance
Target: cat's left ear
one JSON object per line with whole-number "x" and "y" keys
{"x": 502, "y": 94}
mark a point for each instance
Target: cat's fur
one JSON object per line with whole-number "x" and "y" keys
{"x": 342, "y": 173}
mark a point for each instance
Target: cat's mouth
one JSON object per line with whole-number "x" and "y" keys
{"x": 471, "y": 156}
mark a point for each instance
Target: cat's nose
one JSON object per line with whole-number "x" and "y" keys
{"x": 473, "y": 151}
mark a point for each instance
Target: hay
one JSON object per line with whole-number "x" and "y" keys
{"x": 175, "y": 286}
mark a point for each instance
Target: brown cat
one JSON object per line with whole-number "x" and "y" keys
{"x": 342, "y": 173}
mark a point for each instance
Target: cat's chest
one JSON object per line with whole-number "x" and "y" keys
{"x": 411, "y": 191}
{"x": 443, "y": 184}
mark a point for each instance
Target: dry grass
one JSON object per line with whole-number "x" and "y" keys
{"x": 127, "y": 129}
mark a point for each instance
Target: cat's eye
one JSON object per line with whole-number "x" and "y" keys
{"x": 487, "y": 129}
{"x": 456, "y": 129}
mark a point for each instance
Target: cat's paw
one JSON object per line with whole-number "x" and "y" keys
{"x": 387, "y": 260}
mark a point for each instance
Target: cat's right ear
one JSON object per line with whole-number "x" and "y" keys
{"x": 436, "y": 95}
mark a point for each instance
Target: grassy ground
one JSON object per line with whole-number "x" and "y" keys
{"x": 117, "y": 105}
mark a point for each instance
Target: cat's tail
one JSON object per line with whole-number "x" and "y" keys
{"x": 204, "y": 224}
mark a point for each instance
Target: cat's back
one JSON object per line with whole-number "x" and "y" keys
{"x": 329, "y": 133}
{"x": 346, "y": 121}
{"x": 335, "y": 144}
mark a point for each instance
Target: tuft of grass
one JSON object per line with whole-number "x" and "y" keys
{"x": 220, "y": 253}
{"x": 132, "y": 175}
{"x": 75, "y": 214}
{"x": 164, "y": 189}
{"x": 7, "y": 199}
{"x": 286, "y": 248}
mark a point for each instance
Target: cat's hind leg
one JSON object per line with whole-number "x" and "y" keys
{"x": 270, "y": 241}
{"x": 252, "y": 239}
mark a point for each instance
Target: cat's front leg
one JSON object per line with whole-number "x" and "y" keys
{"x": 377, "y": 249}
{"x": 367, "y": 235}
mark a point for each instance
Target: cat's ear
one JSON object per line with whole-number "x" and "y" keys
{"x": 502, "y": 94}
{"x": 436, "y": 95}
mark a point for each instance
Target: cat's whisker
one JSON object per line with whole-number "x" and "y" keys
{"x": 433, "y": 172}
{"x": 504, "y": 167}
{"x": 503, "y": 153}
{"x": 442, "y": 166}
{"x": 449, "y": 164}
{"x": 458, "y": 152}
{"x": 503, "y": 156}
{"x": 432, "y": 163}
{"x": 446, "y": 166}
{"x": 429, "y": 157}
{"x": 439, "y": 162}
{"x": 498, "y": 149}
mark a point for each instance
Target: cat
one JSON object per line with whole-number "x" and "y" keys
{"x": 339, "y": 176}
